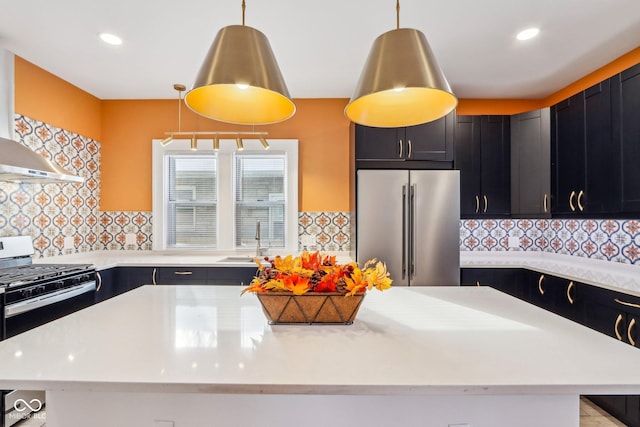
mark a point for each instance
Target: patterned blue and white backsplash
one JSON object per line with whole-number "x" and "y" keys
{"x": 611, "y": 240}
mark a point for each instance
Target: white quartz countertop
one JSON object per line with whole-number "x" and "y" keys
{"x": 208, "y": 339}
{"x": 611, "y": 275}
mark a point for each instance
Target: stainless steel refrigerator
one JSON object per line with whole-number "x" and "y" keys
{"x": 410, "y": 219}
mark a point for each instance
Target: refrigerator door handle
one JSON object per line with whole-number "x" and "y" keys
{"x": 412, "y": 232}
{"x": 404, "y": 231}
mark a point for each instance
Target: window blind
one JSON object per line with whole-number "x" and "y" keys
{"x": 192, "y": 201}
{"x": 259, "y": 182}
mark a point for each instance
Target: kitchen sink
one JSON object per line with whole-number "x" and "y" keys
{"x": 248, "y": 259}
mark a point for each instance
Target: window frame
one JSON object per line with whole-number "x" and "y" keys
{"x": 226, "y": 197}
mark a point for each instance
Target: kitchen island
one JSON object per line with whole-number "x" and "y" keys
{"x": 196, "y": 355}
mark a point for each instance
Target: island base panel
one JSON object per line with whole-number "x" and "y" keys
{"x": 106, "y": 409}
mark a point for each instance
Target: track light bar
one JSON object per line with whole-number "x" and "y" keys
{"x": 239, "y": 137}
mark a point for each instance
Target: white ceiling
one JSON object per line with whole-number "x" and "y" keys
{"x": 320, "y": 46}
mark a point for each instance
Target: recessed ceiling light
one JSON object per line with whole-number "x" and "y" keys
{"x": 527, "y": 34}
{"x": 110, "y": 39}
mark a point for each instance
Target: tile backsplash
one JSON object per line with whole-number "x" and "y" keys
{"x": 61, "y": 218}
{"x": 611, "y": 240}
{"x": 65, "y": 218}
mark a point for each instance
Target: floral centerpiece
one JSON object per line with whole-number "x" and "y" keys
{"x": 315, "y": 288}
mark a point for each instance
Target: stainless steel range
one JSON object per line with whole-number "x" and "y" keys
{"x": 35, "y": 294}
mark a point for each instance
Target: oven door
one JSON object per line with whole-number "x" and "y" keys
{"x": 28, "y": 314}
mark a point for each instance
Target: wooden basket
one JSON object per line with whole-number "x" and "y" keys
{"x": 311, "y": 308}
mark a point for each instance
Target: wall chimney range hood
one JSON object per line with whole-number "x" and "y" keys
{"x": 17, "y": 162}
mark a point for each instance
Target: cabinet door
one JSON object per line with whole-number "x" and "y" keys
{"x": 230, "y": 276}
{"x": 380, "y": 143}
{"x": 626, "y": 130}
{"x": 468, "y": 162}
{"x": 104, "y": 288}
{"x": 431, "y": 141}
{"x": 531, "y": 164}
{"x": 567, "y": 154}
{"x": 602, "y": 187}
{"x": 541, "y": 290}
{"x": 477, "y": 277}
{"x": 129, "y": 278}
{"x": 181, "y": 276}
{"x": 495, "y": 169}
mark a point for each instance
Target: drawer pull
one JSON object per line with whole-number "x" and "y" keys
{"x": 618, "y": 320}
{"x": 99, "y": 281}
{"x": 486, "y": 204}
{"x": 569, "y": 292}
{"x": 540, "y": 284}
{"x": 182, "y": 273}
{"x": 571, "y": 205}
{"x": 477, "y": 204}
{"x": 153, "y": 276}
{"x": 631, "y": 325}
{"x": 400, "y": 149}
{"x": 544, "y": 203}
{"x": 628, "y": 304}
{"x": 478, "y": 283}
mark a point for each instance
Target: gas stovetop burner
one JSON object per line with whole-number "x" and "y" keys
{"x": 24, "y": 274}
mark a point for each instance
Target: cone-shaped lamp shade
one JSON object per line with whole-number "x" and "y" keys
{"x": 401, "y": 83}
{"x": 240, "y": 81}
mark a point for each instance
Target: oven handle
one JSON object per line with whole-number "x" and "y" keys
{"x": 52, "y": 298}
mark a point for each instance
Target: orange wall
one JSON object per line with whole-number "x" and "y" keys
{"x": 49, "y": 99}
{"x": 129, "y": 127}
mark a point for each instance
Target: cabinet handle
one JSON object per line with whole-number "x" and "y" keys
{"x": 486, "y": 203}
{"x": 400, "y": 148}
{"x": 99, "y": 281}
{"x": 540, "y": 284}
{"x": 182, "y": 273}
{"x": 618, "y": 320}
{"x": 410, "y": 149}
{"x": 571, "y": 205}
{"x": 580, "y": 206}
{"x": 153, "y": 276}
{"x": 628, "y": 304}
{"x": 477, "y": 204}
{"x": 571, "y": 284}
{"x": 631, "y": 325}
{"x": 477, "y": 283}
{"x": 544, "y": 203}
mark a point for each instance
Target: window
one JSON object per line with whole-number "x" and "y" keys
{"x": 260, "y": 199}
{"x": 216, "y": 200}
{"x": 191, "y": 201}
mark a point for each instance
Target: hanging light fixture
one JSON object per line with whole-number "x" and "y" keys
{"x": 215, "y": 135}
{"x": 401, "y": 83}
{"x": 240, "y": 81}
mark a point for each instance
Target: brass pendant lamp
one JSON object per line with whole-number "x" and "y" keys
{"x": 401, "y": 83}
{"x": 240, "y": 81}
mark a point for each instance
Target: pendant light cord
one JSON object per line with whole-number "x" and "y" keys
{"x": 397, "y": 14}
{"x": 244, "y": 6}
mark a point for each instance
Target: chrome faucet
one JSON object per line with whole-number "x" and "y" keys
{"x": 258, "y": 250}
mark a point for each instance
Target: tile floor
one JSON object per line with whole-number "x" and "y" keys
{"x": 590, "y": 416}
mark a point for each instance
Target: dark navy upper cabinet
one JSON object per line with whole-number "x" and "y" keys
{"x": 483, "y": 158}
{"x": 602, "y": 153}
{"x": 626, "y": 133}
{"x": 530, "y": 164}
{"x": 431, "y": 141}
{"x": 568, "y": 155}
